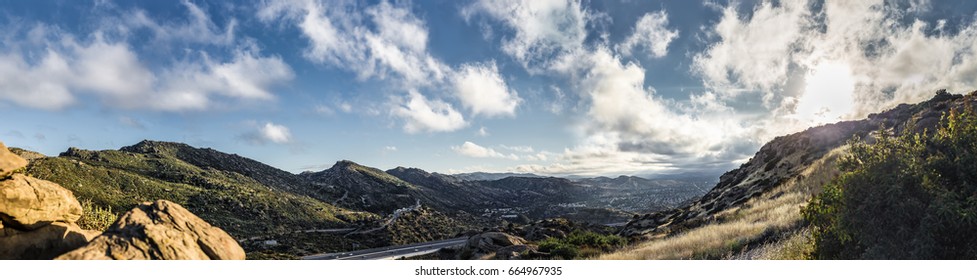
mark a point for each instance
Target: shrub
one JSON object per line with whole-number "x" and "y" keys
{"x": 912, "y": 196}
{"x": 559, "y": 248}
{"x": 95, "y": 217}
{"x": 581, "y": 243}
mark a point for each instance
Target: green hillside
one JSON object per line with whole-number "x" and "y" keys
{"x": 239, "y": 204}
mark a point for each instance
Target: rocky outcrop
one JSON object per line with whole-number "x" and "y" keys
{"x": 160, "y": 230}
{"x": 27, "y": 203}
{"x": 26, "y": 154}
{"x": 9, "y": 162}
{"x": 497, "y": 245}
{"x": 37, "y": 221}
{"x": 43, "y": 243}
{"x": 37, "y": 217}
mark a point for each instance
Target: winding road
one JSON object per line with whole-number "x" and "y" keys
{"x": 392, "y": 252}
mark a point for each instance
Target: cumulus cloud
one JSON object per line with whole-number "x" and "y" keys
{"x": 753, "y": 53}
{"x": 626, "y": 126}
{"x": 470, "y": 149}
{"x": 274, "y": 133}
{"x": 482, "y": 90}
{"x": 388, "y": 42}
{"x": 385, "y": 39}
{"x": 111, "y": 70}
{"x": 423, "y": 115}
{"x": 650, "y": 33}
{"x": 542, "y": 29}
{"x": 891, "y": 57}
{"x": 191, "y": 85}
{"x": 628, "y": 129}
{"x": 268, "y": 132}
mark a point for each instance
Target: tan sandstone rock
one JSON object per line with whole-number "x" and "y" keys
{"x": 9, "y": 162}
{"x": 43, "y": 243}
{"x": 160, "y": 230}
{"x": 489, "y": 245}
{"x": 28, "y": 203}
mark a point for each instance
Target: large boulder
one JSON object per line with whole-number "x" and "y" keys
{"x": 9, "y": 162}
{"x": 496, "y": 245}
{"x": 160, "y": 230}
{"x": 37, "y": 217}
{"x": 28, "y": 203}
{"x": 44, "y": 243}
{"x": 492, "y": 241}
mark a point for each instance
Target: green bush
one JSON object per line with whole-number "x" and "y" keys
{"x": 581, "y": 244}
{"x": 559, "y": 248}
{"x": 95, "y": 217}
{"x": 912, "y": 196}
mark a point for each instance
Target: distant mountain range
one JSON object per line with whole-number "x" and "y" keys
{"x": 486, "y": 176}
{"x": 253, "y": 201}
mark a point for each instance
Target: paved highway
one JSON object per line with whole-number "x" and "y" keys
{"x": 392, "y": 252}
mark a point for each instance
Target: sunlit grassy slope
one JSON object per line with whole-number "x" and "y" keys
{"x": 115, "y": 181}
{"x": 769, "y": 226}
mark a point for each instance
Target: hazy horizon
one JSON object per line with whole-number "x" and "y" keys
{"x": 555, "y": 87}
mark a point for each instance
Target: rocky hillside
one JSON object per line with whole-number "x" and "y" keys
{"x": 771, "y": 187}
{"x": 238, "y": 203}
{"x": 363, "y": 188}
{"x": 38, "y": 220}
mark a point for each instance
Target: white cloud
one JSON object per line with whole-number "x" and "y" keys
{"x": 345, "y": 107}
{"x": 543, "y": 28}
{"x": 753, "y": 53}
{"x": 482, "y": 90}
{"x": 111, "y": 70}
{"x": 423, "y": 115}
{"x": 383, "y": 39}
{"x": 626, "y": 128}
{"x": 275, "y": 133}
{"x": 891, "y": 57}
{"x": 390, "y": 148}
{"x": 651, "y": 33}
{"x": 623, "y": 107}
{"x": 43, "y": 85}
{"x": 198, "y": 28}
{"x": 470, "y": 149}
{"x": 269, "y": 132}
{"x": 191, "y": 85}
{"x": 482, "y": 132}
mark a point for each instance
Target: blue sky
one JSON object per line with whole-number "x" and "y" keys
{"x": 553, "y": 87}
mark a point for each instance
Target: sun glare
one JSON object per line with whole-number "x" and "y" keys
{"x": 827, "y": 95}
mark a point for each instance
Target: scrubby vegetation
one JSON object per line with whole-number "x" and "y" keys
{"x": 96, "y": 217}
{"x": 581, "y": 244}
{"x": 910, "y": 196}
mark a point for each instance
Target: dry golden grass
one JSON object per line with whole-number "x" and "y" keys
{"x": 763, "y": 218}
{"x": 796, "y": 245}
